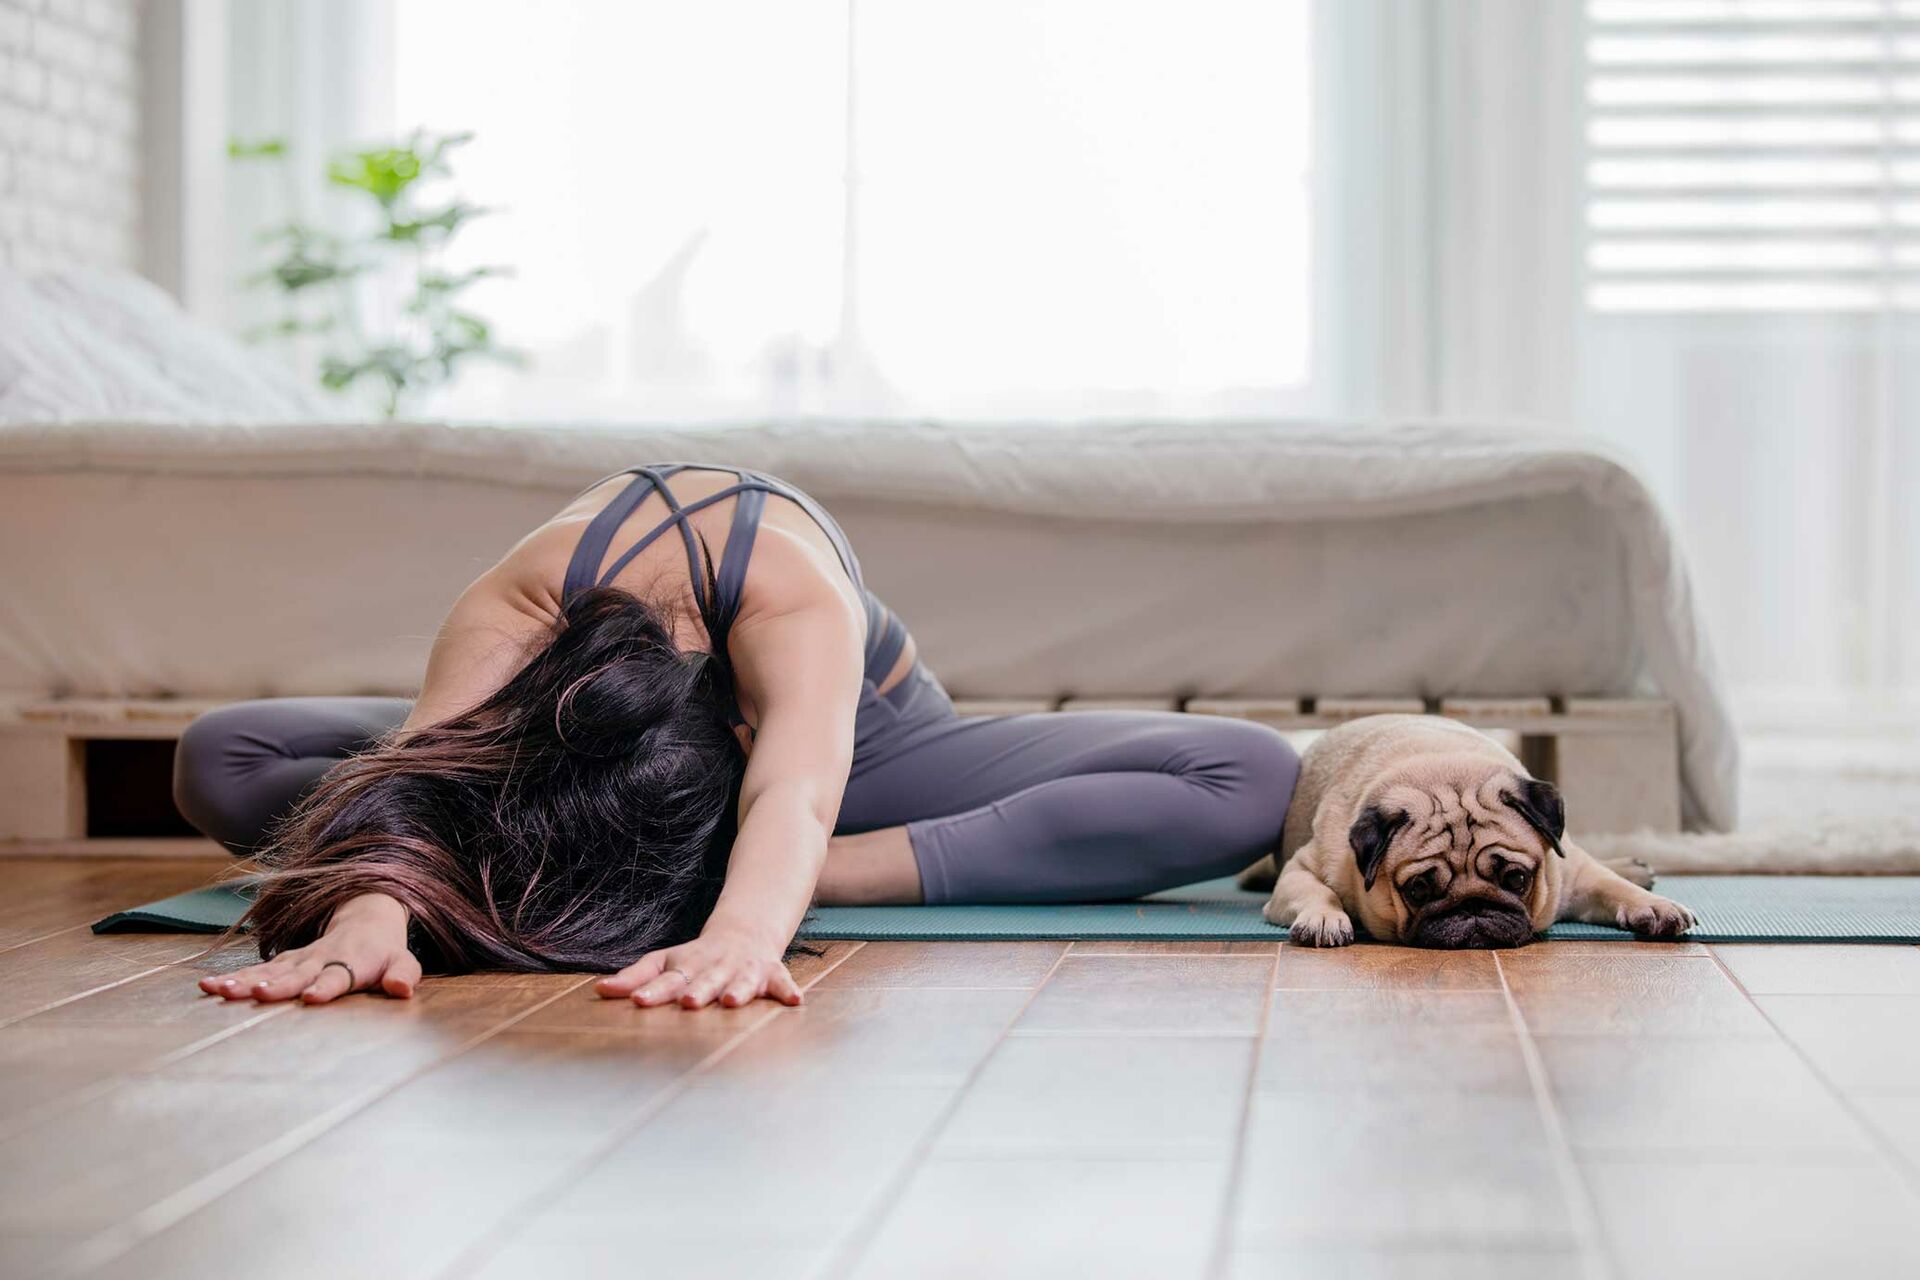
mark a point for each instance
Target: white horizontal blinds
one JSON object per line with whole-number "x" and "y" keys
{"x": 1753, "y": 155}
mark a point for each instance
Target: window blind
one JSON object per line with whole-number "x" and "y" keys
{"x": 1753, "y": 155}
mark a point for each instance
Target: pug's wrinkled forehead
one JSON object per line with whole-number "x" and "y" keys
{"x": 1453, "y": 816}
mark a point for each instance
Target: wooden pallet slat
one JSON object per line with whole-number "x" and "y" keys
{"x": 1120, "y": 704}
{"x": 1496, "y": 710}
{"x": 180, "y": 711}
{"x": 105, "y": 717}
{"x": 1248, "y": 708}
{"x": 1615, "y": 709}
{"x": 1284, "y": 714}
{"x": 1353, "y": 708}
{"x": 1624, "y": 776}
{"x": 1003, "y": 706}
{"x": 42, "y": 786}
{"x": 73, "y": 711}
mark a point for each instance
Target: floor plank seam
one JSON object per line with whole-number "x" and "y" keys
{"x": 120, "y": 1239}
{"x": 1733, "y": 1156}
{"x": 27, "y": 942}
{"x": 920, "y": 987}
{"x": 1596, "y": 1256}
{"x": 845, "y": 1253}
{"x": 99, "y": 909}
{"x": 100, "y": 1089}
{"x": 18, "y": 1018}
{"x": 1889, "y": 1151}
{"x": 476, "y": 1253}
{"x": 1412, "y": 991}
{"x": 1220, "y": 1256}
{"x": 1131, "y": 1033}
{"x": 1073, "y": 950}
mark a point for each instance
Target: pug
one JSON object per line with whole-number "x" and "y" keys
{"x": 1424, "y": 831}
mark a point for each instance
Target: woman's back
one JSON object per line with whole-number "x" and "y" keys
{"x": 784, "y": 541}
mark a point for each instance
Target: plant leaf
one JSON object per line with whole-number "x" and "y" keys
{"x": 446, "y": 283}
{"x": 259, "y": 149}
{"x": 438, "y": 226}
{"x": 287, "y": 327}
{"x": 382, "y": 172}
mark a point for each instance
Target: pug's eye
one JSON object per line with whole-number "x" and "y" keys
{"x": 1420, "y": 890}
{"x": 1515, "y": 880}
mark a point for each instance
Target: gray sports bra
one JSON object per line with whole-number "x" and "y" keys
{"x": 886, "y": 635}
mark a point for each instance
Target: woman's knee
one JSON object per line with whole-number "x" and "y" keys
{"x": 210, "y": 762}
{"x": 1249, "y": 771}
{"x": 240, "y": 768}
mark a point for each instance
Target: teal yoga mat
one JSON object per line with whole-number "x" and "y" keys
{"x": 1731, "y": 909}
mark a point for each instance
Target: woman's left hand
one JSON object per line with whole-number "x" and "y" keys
{"x": 723, "y": 968}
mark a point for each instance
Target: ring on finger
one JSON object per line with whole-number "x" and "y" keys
{"x": 684, "y": 975}
{"x": 352, "y": 981}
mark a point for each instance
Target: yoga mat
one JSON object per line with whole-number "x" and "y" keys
{"x": 1731, "y": 909}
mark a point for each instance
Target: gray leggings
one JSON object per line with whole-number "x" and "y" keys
{"x": 1058, "y": 807}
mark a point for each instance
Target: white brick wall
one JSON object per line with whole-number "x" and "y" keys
{"x": 69, "y": 132}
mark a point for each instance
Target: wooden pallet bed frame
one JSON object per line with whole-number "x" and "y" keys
{"x": 1615, "y": 759}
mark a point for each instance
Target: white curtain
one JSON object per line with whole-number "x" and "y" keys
{"x": 1753, "y": 245}
{"x": 1450, "y": 205}
{"x": 315, "y": 76}
{"x": 829, "y": 207}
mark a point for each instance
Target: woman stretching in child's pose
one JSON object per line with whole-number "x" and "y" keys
{"x": 653, "y": 761}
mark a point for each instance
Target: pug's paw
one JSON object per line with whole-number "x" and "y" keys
{"x": 1321, "y": 928}
{"x": 1657, "y": 918}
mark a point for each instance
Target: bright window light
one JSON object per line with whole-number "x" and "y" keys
{"x": 1004, "y": 208}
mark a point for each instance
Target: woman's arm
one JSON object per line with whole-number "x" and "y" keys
{"x": 799, "y": 664}
{"x": 805, "y": 682}
{"x": 486, "y": 638}
{"x": 492, "y": 629}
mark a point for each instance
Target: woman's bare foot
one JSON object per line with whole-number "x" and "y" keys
{"x": 365, "y": 946}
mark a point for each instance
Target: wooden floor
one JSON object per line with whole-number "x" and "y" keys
{"x": 977, "y": 1110}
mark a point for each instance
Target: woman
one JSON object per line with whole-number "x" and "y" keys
{"x": 659, "y": 758}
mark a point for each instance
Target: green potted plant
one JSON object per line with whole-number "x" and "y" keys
{"x": 318, "y": 275}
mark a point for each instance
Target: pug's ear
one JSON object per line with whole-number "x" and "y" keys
{"x": 1370, "y": 835}
{"x": 1540, "y": 804}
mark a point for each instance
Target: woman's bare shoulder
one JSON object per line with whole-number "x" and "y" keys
{"x": 532, "y": 574}
{"x": 791, "y": 572}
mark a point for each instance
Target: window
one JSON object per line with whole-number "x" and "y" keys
{"x": 903, "y": 208}
{"x": 1754, "y": 155}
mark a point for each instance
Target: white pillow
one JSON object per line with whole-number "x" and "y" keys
{"x": 78, "y": 344}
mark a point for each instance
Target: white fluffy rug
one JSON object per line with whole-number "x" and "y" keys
{"x": 1843, "y": 800}
{"x": 1817, "y": 844}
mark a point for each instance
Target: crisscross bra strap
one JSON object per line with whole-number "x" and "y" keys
{"x": 584, "y": 566}
{"x": 730, "y": 580}
{"x": 752, "y": 488}
{"x": 654, "y": 480}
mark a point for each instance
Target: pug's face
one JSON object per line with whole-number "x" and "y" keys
{"x": 1458, "y": 861}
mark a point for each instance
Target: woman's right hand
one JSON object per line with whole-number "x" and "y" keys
{"x": 364, "y": 947}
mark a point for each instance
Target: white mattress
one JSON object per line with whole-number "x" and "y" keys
{"x": 1221, "y": 560}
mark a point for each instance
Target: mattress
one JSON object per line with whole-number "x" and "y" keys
{"x": 1222, "y": 560}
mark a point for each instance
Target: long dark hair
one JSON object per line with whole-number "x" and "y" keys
{"x": 576, "y": 819}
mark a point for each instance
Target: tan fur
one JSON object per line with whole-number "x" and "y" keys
{"x": 1450, "y": 780}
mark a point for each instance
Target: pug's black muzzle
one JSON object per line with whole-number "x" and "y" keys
{"x": 1475, "y": 922}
